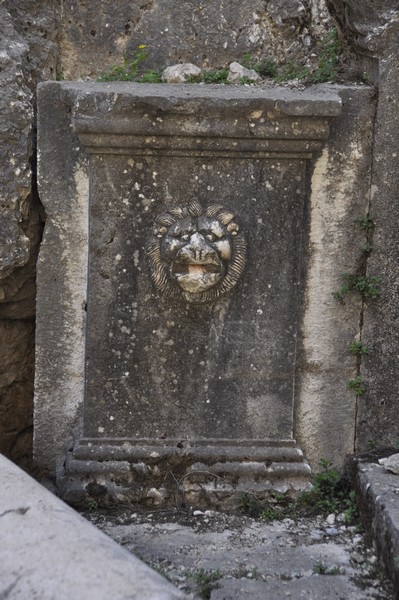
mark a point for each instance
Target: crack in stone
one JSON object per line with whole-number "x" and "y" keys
{"x": 19, "y": 511}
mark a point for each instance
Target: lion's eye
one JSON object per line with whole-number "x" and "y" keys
{"x": 210, "y": 237}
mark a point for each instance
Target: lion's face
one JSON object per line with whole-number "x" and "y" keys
{"x": 197, "y": 250}
{"x": 196, "y": 256}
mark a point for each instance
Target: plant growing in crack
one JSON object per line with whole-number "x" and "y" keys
{"x": 206, "y": 581}
{"x": 367, "y": 287}
{"x": 357, "y": 385}
{"x": 129, "y": 70}
{"x": 357, "y": 348}
{"x": 321, "y": 568}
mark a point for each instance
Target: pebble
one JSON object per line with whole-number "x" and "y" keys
{"x": 331, "y": 519}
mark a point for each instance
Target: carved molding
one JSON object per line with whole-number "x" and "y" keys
{"x": 191, "y": 121}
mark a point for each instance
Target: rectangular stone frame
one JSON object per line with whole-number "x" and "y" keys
{"x": 197, "y": 125}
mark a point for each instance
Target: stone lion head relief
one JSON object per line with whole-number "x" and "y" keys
{"x": 196, "y": 255}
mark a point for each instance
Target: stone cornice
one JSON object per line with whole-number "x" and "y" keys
{"x": 193, "y": 120}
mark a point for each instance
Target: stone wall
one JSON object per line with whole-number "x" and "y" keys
{"x": 210, "y": 34}
{"x": 28, "y": 55}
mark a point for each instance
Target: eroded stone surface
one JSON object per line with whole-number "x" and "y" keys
{"x": 251, "y": 559}
{"x": 164, "y": 378}
{"x": 49, "y": 551}
{"x": 208, "y": 34}
{"x": 27, "y": 55}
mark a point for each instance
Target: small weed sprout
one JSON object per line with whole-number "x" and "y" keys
{"x": 367, "y": 287}
{"x": 356, "y": 385}
{"x": 371, "y": 444}
{"x": 367, "y": 248}
{"x": 265, "y": 67}
{"x": 210, "y": 76}
{"x": 357, "y": 348}
{"x": 366, "y": 223}
{"x": 206, "y": 581}
{"x": 330, "y": 494}
{"x": 320, "y": 568}
{"x": 249, "y": 505}
{"x": 128, "y": 71}
{"x": 327, "y": 69}
{"x": 216, "y": 76}
{"x": 151, "y": 77}
{"x": 92, "y": 505}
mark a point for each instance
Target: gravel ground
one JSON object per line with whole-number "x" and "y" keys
{"x": 225, "y": 557}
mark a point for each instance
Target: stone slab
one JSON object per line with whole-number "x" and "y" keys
{"x": 49, "y": 551}
{"x": 151, "y": 147}
{"x": 241, "y": 557}
{"x": 379, "y": 496}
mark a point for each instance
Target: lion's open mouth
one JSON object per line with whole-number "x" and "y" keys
{"x": 196, "y": 277}
{"x": 194, "y": 269}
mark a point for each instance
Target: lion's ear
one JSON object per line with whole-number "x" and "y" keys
{"x": 226, "y": 217}
{"x": 177, "y": 211}
{"x": 195, "y": 208}
{"x": 214, "y": 210}
{"x": 165, "y": 219}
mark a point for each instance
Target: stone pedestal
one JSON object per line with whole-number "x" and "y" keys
{"x": 161, "y": 391}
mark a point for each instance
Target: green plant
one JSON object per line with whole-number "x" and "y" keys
{"x": 206, "y": 581}
{"x": 356, "y": 385}
{"x": 92, "y": 505}
{"x": 357, "y": 348}
{"x": 216, "y": 76}
{"x": 330, "y": 493}
{"x": 351, "y": 512}
{"x": 151, "y": 77}
{"x": 246, "y": 81}
{"x": 249, "y": 505}
{"x": 371, "y": 444}
{"x": 366, "y": 223}
{"x": 292, "y": 70}
{"x": 367, "y": 287}
{"x": 265, "y": 67}
{"x": 329, "y": 58}
{"x": 327, "y": 68}
{"x": 271, "y": 514}
{"x": 367, "y": 248}
{"x": 320, "y": 568}
{"x": 128, "y": 71}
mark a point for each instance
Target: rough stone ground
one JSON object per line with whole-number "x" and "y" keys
{"x": 228, "y": 557}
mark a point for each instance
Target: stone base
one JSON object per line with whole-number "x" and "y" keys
{"x": 201, "y": 474}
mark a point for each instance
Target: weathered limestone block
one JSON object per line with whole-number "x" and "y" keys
{"x": 373, "y": 28}
{"x": 340, "y": 183}
{"x": 50, "y": 551}
{"x": 167, "y": 342}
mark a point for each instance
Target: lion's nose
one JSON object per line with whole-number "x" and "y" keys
{"x": 197, "y": 248}
{"x": 197, "y": 241}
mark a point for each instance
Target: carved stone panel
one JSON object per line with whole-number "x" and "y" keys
{"x": 167, "y": 361}
{"x": 196, "y": 223}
